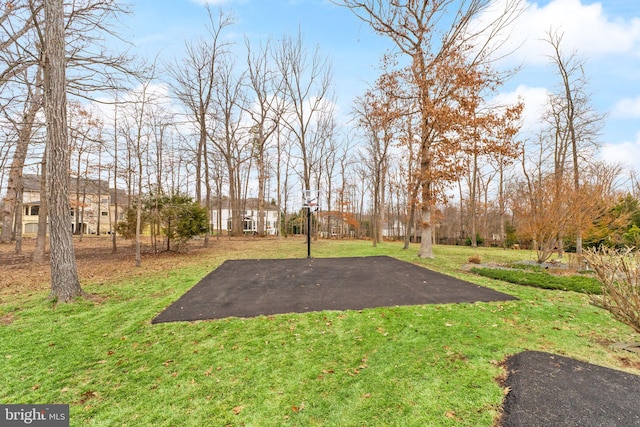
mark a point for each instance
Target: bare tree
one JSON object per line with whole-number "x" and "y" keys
{"x": 265, "y": 112}
{"x": 83, "y": 140}
{"x": 89, "y": 65}
{"x": 25, "y": 125}
{"x": 136, "y": 131}
{"x": 194, "y": 84}
{"x": 306, "y": 88}
{"x": 228, "y": 139}
{"x": 41, "y": 238}
{"x": 17, "y": 54}
{"x": 282, "y": 171}
{"x": 574, "y": 123}
{"x": 331, "y": 158}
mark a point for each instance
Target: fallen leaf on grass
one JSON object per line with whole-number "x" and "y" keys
{"x": 452, "y": 415}
{"x": 7, "y": 319}
{"x": 298, "y": 408}
{"x": 237, "y": 409}
{"x": 87, "y": 395}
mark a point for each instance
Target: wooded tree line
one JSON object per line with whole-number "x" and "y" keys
{"x": 426, "y": 153}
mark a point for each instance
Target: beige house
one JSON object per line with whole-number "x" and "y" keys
{"x": 92, "y": 205}
{"x": 221, "y": 215}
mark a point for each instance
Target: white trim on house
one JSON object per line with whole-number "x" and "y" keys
{"x": 250, "y": 218}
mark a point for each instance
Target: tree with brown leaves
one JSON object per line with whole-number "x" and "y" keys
{"x": 447, "y": 53}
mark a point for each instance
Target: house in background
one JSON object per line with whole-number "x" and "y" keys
{"x": 93, "y": 209}
{"x": 221, "y": 216}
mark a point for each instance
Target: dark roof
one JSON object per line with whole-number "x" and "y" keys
{"x": 31, "y": 182}
{"x": 250, "y": 203}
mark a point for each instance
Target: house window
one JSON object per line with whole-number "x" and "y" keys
{"x": 31, "y": 228}
{"x": 104, "y": 213}
{"x": 35, "y": 210}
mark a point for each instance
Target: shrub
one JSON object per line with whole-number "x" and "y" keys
{"x": 541, "y": 280}
{"x": 475, "y": 259}
{"x": 619, "y": 274}
{"x": 479, "y": 240}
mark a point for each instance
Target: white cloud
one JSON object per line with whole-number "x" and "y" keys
{"x": 586, "y": 29}
{"x": 626, "y": 153}
{"x": 627, "y": 108}
{"x": 534, "y": 98}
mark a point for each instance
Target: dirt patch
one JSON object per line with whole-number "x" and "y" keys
{"x": 629, "y": 363}
{"x": 98, "y": 264}
{"x": 7, "y": 319}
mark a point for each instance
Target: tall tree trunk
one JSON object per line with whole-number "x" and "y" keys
{"x": 18, "y": 223}
{"x": 113, "y": 222}
{"x": 279, "y": 227}
{"x": 207, "y": 182}
{"x": 408, "y": 227}
{"x": 65, "y": 284}
{"x": 99, "y": 190}
{"x": 14, "y": 183}
{"x": 413, "y": 197}
{"x": 138, "y": 255}
{"x": 472, "y": 201}
{"x": 41, "y": 238}
{"x": 503, "y": 234}
{"x": 262, "y": 177}
{"x": 426, "y": 242}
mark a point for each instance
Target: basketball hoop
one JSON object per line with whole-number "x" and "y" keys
{"x": 310, "y": 200}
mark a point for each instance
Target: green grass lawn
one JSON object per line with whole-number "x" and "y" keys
{"x": 431, "y": 365}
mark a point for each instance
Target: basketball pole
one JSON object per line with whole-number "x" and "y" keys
{"x": 309, "y": 232}
{"x": 309, "y": 202}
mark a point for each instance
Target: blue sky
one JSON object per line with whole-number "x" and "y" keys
{"x": 605, "y": 33}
